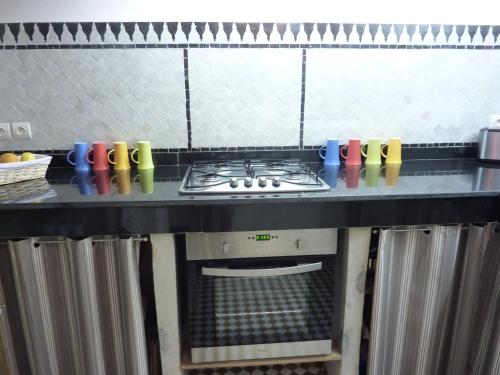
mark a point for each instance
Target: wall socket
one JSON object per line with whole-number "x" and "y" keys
{"x": 4, "y": 131}
{"x": 21, "y": 130}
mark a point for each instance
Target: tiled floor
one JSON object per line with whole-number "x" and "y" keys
{"x": 292, "y": 369}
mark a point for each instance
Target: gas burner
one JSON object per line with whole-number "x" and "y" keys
{"x": 210, "y": 178}
{"x": 250, "y": 177}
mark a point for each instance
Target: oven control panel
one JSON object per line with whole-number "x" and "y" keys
{"x": 254, "y": 244}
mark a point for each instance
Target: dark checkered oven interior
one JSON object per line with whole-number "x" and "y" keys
{"x": 227, "y": 311}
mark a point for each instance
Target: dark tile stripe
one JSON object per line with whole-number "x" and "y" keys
{"x": 188, "y": 100}
{"x": 302, "y": 98}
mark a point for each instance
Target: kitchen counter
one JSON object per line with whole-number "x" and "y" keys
{"x": 419, "y": 192}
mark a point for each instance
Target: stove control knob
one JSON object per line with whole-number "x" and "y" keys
{"x": 262, "y": 181}
{"x": 276, "y": 181}
{"x": 233, "y": 182}
{"x": 248, "y": 182}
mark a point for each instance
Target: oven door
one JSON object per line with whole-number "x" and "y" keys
{"x": 260, "y": 308}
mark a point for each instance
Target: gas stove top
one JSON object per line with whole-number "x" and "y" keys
{"x": 250, "y": 177}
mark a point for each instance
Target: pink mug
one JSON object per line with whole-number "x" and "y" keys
{"x": 99, "y": 156}
{"x": 353, "y": 149}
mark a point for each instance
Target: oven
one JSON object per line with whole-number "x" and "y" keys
{"x": 265, "y": 294}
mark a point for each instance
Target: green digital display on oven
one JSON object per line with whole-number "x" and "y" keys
{"x": 262, "y": 237}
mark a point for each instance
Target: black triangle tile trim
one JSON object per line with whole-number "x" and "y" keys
{"x": 115, "y": 28}
{"x": 411, "y": 29}
{"x": 460, "y": 31}
{"x": 360, "y": 29}
{"x": 281, "y": 28}
{"x": 448, "y": 29}
{"x": 29, "y": 29}
{"x": 372, "y": 29}
{"x": 386, "y": 30}
{"x": 129, "y": 29}
{"x": 240, "y": 28}
{"x": 472, "y": 29}
{"x": 295, "y": 28}
{"x": 268, "y": 29}
{"x": 44, "y": 29}
{"x": 495, "y": 30}
{"x": 422, "y": 30}
{"x": 484, "y": 29}
{"x": 158, "y": 29}
{"x": 58, "y": 28}
{"x": 2, "y": 31}
{"x": 100, "y": 27}
{"x": 308, "y": 28}
{"x": 144, "y": 29}
{"x": 87, "y": 29}
{"x": 186, "y": 28}
{"x": 435, "y": 31}
{"x": 228, "y": 29}
{"x": 335, "y": 29}
{"x": 172, "y": 29}
{"x": 347, "y": 29}
{"x": 200, "y": 28}
{"x": 321, "y": 29}
{"x": 398, "y": 29}
{"x": 14, "y": 29}
{"x": 214, "y": 29}
{"x": 254, "y": 29}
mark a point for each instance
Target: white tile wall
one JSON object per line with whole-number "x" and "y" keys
{"x": 421, "y": 95}
{"x": 245, "y": 97}
{"x": 70, "y": 95}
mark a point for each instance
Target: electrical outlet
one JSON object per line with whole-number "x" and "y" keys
{"x": 495, "y": 120}
{"x": 5, "y": 131}
{"x": 21, "y": 130}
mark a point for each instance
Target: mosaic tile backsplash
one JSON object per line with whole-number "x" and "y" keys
{"x": 199, "y": 85}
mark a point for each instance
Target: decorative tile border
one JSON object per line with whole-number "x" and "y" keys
{"x": 245, "y": 35}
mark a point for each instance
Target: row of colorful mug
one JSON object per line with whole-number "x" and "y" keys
{"x": 99, "y": 156}
{"x": 370, "y": 174}
{"x": 352, "y": 151}
{"x": 101, "y": 181}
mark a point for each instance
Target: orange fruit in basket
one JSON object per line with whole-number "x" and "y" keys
{"x": 9, "y": 157}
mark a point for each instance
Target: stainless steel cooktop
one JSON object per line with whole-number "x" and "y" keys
{"x": 250, "y": 177}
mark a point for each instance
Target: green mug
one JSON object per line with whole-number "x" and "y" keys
{"x": 372, "y": 151}
{"x": 371, "y": 173}
{"x": 145, "y": 159}
{"x": 146, "y": 180}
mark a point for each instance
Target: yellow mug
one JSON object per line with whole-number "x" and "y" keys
{"x": 372, "y": 151}
{"x": 121, "y": 156}
{"x": 145, "y": 159}
{"x": 392, "y": 174}
{"x": 393, "y": 155}
{"x": 122, "y": 180}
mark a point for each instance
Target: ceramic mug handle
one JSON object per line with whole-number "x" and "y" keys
{"x": 344, "y": 147}
{"x": 68, "y": 157}
{"x": 109, "y": 156}
{"x": 363, "y": 152}
{"x": 134, "y": 151}
{"x": 320, "y": 154}
{"x": 382, "y": 150}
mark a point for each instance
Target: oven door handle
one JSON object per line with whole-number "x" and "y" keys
{"x": 264, "y": 272}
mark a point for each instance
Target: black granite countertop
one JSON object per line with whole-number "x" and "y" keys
{"x": 65, "y": 203}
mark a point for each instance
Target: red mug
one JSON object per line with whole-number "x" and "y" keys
{"x": 102, "y": 181}
{"x": 353, "y": 149}
{"x": 350, "y": 174}
{"x": 99, "y": 156}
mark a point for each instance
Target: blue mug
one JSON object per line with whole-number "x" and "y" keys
{"x": 80, "y": 151}
{"x": 331, "y": 156}
{"x": 331, "y": 173}
{"x": 84, "y": 182}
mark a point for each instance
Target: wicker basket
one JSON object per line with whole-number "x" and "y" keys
{"x": 24, "y": 170}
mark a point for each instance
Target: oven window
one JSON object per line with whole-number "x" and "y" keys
{"x": 227, "y": 311}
